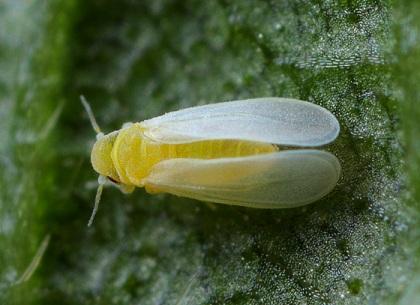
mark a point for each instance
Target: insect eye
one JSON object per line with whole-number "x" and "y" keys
{"x": 113, "y": 180}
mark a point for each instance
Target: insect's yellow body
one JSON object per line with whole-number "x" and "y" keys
{"x": 133, "y": 155}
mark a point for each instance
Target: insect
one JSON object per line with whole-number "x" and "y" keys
{"x": 247, "y": 152}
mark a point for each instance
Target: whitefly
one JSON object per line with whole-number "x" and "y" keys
{"x": 260, "y": 153}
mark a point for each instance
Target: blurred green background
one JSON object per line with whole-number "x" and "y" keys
{"x": 135, "y": 60}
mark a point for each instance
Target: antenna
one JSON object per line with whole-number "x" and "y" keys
{"x": 90, "y": 115}
{"x": 101, "y": 181}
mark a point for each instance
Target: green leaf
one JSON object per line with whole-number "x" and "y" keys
{"x": 135, "y": 60}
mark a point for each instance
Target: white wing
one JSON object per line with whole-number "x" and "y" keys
{"x": 270, "y": 120}
{"x": 275, "y": 180}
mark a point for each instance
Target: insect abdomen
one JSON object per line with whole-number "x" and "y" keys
{"x": 218, "y": 149}
{"x": 135, "y": 155}
{"x": 153, "y": 152}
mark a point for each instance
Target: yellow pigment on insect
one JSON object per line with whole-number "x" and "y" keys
{"x": 133, "y": 155}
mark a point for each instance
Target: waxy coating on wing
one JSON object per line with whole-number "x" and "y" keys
{"x": 227, "y": 152}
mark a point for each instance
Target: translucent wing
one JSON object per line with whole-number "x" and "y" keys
{"x": 271, "y": 120}
{"x": 276, "y": 180}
